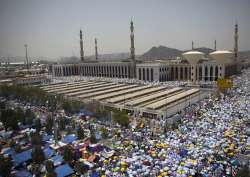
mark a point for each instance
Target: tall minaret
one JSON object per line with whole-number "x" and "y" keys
{"x": 236, "y": 42}
{"x": 192, "y": 45}
{"x": 132, "y": 49}
{"x": 81, "y": 47}
{"x": 215, "y": 45}
{"x": 96, "y": 53}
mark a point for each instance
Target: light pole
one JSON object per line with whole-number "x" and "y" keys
{"x": 26, "y": 56}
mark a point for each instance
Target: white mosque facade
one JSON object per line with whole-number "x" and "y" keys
{"x": 193, "y": 66}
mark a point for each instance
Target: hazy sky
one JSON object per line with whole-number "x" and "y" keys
{"x": 51, "y": 27}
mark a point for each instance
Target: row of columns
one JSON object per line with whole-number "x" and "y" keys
{"x": 209, "y": 73}
{"x": 65, "y": 70}
{"x": 146, "y": 74}
{"x": 193, "y": 73}
{"x": 106, "y": 71}
{"x": 102, "y": 71}
{"x": 180, "y": 73}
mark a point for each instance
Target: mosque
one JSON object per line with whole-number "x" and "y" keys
{"x": 193, "y": 66}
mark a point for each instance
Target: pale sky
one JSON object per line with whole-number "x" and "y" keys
{"x": 51, "y": 27}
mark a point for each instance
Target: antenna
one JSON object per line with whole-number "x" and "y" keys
{"x": 26, "y": 55}
{"x": 96, "y": 52}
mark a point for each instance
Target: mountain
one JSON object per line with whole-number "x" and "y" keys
{"x": 69, "y": 60}
{"x": 244, "y": 54}
{"x": 205, "y": 50}
{"x": 161, "y": 52}
{"x": 111, "y": 56}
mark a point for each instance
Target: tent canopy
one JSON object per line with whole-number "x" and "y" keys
{"x": 48, "y": 152}
{"x": 22, "y": 157}
{"x": 57, "y": 160}
{"x": 69, "y": 138}
{"x": 63, "y": 170}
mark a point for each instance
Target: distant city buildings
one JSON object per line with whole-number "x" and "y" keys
{"x": 17, "y": 73}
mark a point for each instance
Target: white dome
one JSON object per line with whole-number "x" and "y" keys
{"x": 193, "y": 57}
{"x": 222, "y": 56}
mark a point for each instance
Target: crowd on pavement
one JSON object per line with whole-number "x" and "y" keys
{"x": 207, "y": 142}
{"x": 210, "y": 140}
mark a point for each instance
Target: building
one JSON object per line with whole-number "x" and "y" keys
{"x": 193, "y": 66}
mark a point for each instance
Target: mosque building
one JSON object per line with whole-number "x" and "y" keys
{"x": 193, "y": 65}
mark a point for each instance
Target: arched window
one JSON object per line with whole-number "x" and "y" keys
{"x": 139, "y": 73}
{"x": 176, "y": 73}
{"x": 216, "y": 73}
{"x": 147, "y": 74}
{"x": 116, "y": 71}
{"x": 143, "y": 74}
{"x": 152, "y": 74}
{"x": 206, "y": 73}
{"x": 119, "y": 73}
{"x": 186, "y": 73}
{"x": 211, "y": 73}
{"x": 172, "y": 73}
{"x": 200, "y": 73}
{"x": 181, "y": 73}
{"x": 64, "y": 72}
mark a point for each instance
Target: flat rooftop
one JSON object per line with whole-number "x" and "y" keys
{"x": 145, "y": 98}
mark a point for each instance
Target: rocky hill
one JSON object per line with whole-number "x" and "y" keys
{"x": 161, "y": 52}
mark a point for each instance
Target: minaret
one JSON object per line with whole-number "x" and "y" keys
{"x": 236, "y": 42}
{"x": 81, "y": 47}
{"x": 96, "y": 52}
{"x": 192, "y": 45}
{"x": 132, "y": 49}
{"x": 215, "y": 45}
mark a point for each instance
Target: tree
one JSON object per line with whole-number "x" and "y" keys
{"x": 80, "y": 133}
{"x": 67, "y": 154}
{"x": 62, "y": 123}
{"x": 93, "y": 137}
{"x": 73, "y": 124}
{"x": 18, "y": 148}
{"x": 102, "y": 114}
{"x": 37, "y": 155}
{"x": 105, "y": 132}
{"x": 9, "y": 119}
{"x": 13, "y": 122}
{"x": 12, "y": 143}
{"x": 2, "y": 105}
{"x": 5, "y": 166}
{"x": 29, "y": 115}
{"x": 49, "y": 166}
{"x": 243, "y": 172}
{"x": 69, "y": 130}
{"x": 80, "y": 168}
{"x": 20, "y": 115}
{"x": 49, "y": 124}
{"x": 121, "y": 118}
{"x": 224, "y": 84}
{"x": 50, "y": 169}
{"x": 67, "y": 106}
{"x": 36, "y": 139}
{"x": 38, "y": 125}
